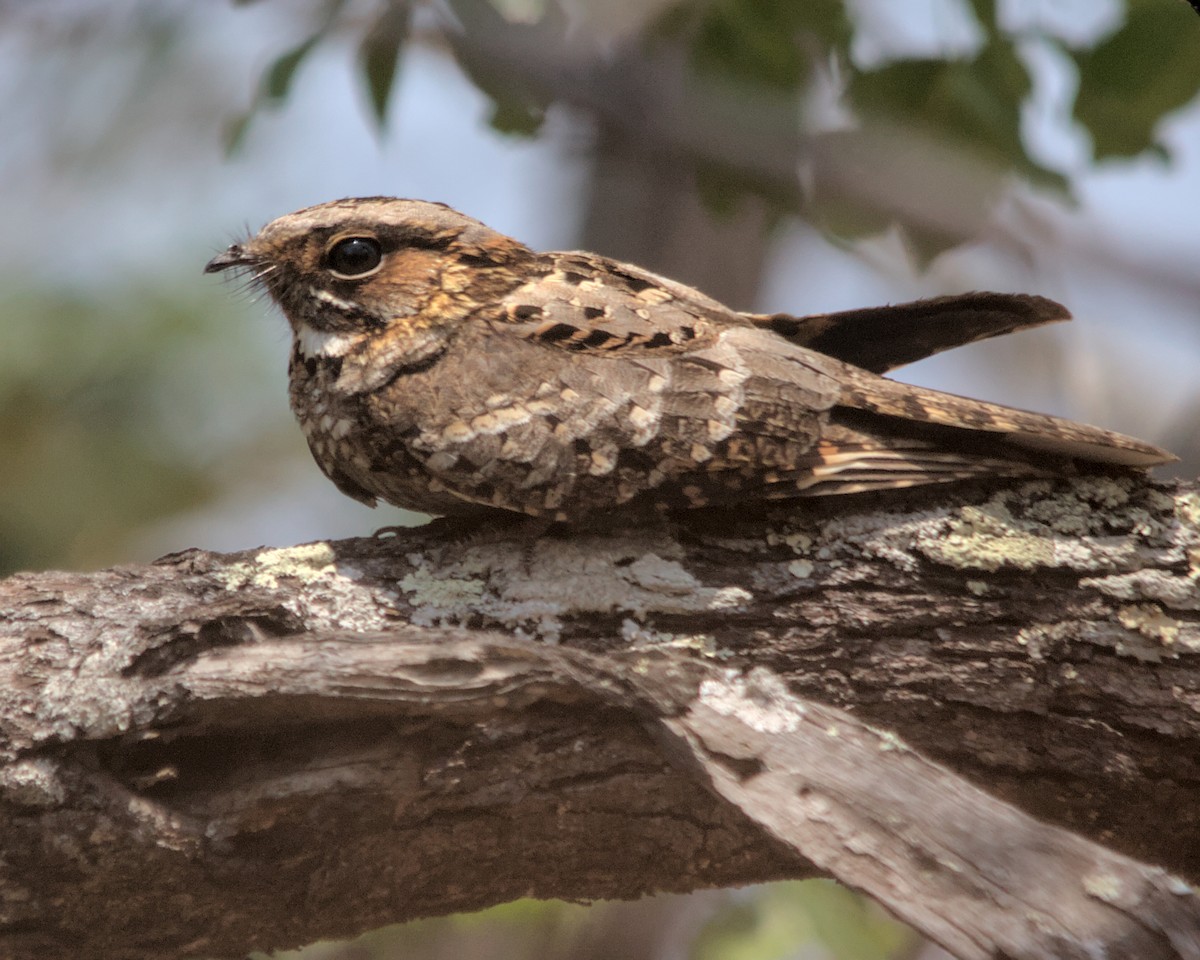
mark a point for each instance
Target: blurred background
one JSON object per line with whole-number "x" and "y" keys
{"x": 781, "y": 155}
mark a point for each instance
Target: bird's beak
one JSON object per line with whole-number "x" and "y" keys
{"x": 235, "y": 256}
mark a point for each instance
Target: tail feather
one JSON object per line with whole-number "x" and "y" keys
{"x": 1035, "y": 433}
{"x": 883, "y": 338}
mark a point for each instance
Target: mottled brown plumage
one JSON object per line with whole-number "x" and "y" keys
{"x": 444, "y": 367}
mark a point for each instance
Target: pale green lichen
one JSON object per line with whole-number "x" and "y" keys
{"x": 1151, "y": 622}
{"x": 32, "y": 782}
{"x": 662, "y": 576}
{"x": 307, "y": 563}
{"x": 759, "y": 699}
{"x": 331, "y": 593}
{"x": 1092, "y": 525}
{"x": 638, "y": 635}
{"x": 1103, "y": 886}
{"x": 639, "y": 574}
{"x": 1038, "y": 638}
{"x": 1127, "y": 642}
{"x": 1176, "y": 592}
{"x": 1058, "y": 528}
{"x": 728, "y": 598}
{"x": 801, "y": 569}
{"x": 1187, "y": 510}
{"x": 1107, "y": 493}
{"x": 1187, "y": 514}
{"x": 427, "y": 589}
{"x": 1049, "y": 512}
{"x": 988, "y": 537}
{"x": 797, "y": 541}
{"x": 890, "y": 743}
{"x": 705, "y": 644}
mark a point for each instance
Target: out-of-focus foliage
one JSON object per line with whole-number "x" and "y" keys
{"x": 110, "y": 433}
{"x": 379, "y": 55}
{"x": 277, "y": 80}
{"x": 772, "y": 43}
{"x": 520, "y": 101}
{"x": 1123, "y": 93}
{"x": 812, "y": 918}
{"x": 119, "y": 409}
{"x": 772, "y": 923}
{"x": 974, "y": 104}
{"x": 970, "y": 103}
{"x": 521, "y": 930}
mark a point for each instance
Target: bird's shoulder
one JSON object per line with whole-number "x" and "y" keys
{"x": 586, "y": 303}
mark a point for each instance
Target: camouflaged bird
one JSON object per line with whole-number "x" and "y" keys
{"x": 446, "y": 368}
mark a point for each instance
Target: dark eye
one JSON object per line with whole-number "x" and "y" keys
{"x": 354, "y": 257}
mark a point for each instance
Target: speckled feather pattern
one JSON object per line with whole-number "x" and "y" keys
{"x": 459, "y": 371}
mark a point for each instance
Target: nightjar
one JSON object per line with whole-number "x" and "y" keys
{"x": 444, "y": 367}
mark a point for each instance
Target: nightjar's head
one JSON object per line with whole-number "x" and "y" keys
{"x": 361, "y": 267}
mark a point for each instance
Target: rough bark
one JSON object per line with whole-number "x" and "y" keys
{"x": 980, "y": 707}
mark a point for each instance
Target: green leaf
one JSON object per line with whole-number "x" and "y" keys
{"x": 1133, "y": 78}
{"x": 272, "y": 89}
{"x": 766, "y": 43}
{"x": 277, "y": 81}
{"x": 827, "y": 21}
{"x": 985, "y": 13}
{"x": 957, "y": 100}
{"x": 235, "y": 130}
{"x": 722, "y": 186}
{"x": 379, "y": 55}
{"x": 974, "y": 105}
{"x": 747, "y": 43}
{"x": 516, "y": 118}
{"x": 520, "y": 103}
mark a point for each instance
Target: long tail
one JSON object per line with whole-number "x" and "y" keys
{"x": 1032, "y": 432}
{"x": 883, "y": 338}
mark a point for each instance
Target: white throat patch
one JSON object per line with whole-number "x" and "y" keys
{"x": 322, "y": 343}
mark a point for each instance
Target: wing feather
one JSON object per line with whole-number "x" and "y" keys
{"x": 651, "y": 389}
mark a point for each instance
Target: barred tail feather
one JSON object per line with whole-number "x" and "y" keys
{"x": 1035, "y": 433}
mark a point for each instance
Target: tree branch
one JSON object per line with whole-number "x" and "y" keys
{"x": 218, "y": 753}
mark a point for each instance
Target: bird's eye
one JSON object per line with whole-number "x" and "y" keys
{"x": 354, "y": 257}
